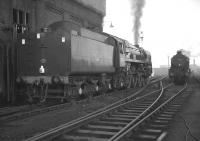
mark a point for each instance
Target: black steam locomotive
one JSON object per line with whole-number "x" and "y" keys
{"x": 179, "y": 71}
{"x": 66, "y": 61}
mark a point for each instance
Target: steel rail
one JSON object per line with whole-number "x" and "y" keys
{"x": 141, "y": 115}
{"x": 75, "y": 123}
{"x": 11, "y": 108}
{"x": 119, "y": 136}
{"x": 13, "y": 115}
{"x": 153, "y": 80}
{"x": 54, "y": 107}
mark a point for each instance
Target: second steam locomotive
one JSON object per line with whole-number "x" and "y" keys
{"x": 179, "y": 71}
{"x": 66, "y": 61}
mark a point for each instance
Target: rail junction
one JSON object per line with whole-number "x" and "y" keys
{"x": 117, "y": 121}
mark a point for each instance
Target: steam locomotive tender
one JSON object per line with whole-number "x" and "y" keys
{"x": 67, "y": 61}
{"x": 179, "y": 71}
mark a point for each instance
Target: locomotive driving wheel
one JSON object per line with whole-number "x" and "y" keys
{"x": 128, "y": 81}
{"x": 29, "y": 94}
{"x": 108, "y": 86}
{"x": 43, "y": 92}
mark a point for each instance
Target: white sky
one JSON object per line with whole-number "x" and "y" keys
{"x": 168, "y": 25}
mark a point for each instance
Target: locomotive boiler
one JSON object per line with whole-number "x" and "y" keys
{"x": 66, "y": 61}
{"x": 179, "y": 71}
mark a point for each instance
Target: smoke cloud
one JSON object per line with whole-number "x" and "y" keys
{"x": 186, "y": 52}
{"x": 137, "y": 12}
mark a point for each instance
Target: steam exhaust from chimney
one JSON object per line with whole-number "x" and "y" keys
{"x": 137, "y": 12}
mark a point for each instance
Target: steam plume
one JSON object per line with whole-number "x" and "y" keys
{"x": 186, "y": 52}
{"x": 137, "y": 12}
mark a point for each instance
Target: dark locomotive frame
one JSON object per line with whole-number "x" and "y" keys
{"x": 45, "y": 76}
{"x": 179, "y": 71}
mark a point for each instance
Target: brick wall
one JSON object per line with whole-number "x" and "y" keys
{"x": 97, "y": 5}
{"x": 88, "y": 13}
{"x": 50, "y": 11}
{"x": 4, "y": 19}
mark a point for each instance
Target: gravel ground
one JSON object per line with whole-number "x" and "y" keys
{"x": 187, "y": 118}
{"x": 24, "y": 128}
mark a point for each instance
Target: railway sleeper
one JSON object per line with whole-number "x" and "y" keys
{"x": 102, "y": 124}
{"x": 150, "y": 133}
{"x": 157, "y": 126}
{"x": 160, "y": 121}
{"x": 164, "y": 118}
{"x": 135, "y": 108}
{"x": 131, "y": 111}
{"x": 120, "y": 120}
{"x": 123, "y": 116}
{"x": 166, "y": 115}
{"x": 79, "y": 138}
{"x": 143, "y": 105}
{"x": 153, "y": 130}
{"x": 142, "y": 137}
{"x": 102, "y": 127}
{"x": 127, "y": 113}
{"x": 139, "y": 109}
{"x": 173, "y": 109}
{"x": 114, "y": 123}
{"x": 92, "y": 133}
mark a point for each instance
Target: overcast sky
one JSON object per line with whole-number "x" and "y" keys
{"x": 168, "y": 25}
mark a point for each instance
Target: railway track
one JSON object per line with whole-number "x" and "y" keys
{"x": 15, "y": 113}
{"x": 11, "y": 109}
{"x": 153, "y": 127}
{"x": 106, "y": 123}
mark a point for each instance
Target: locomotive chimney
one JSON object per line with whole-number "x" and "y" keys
{"x": 141, "y": 38}
{"x": 137, "y": 45}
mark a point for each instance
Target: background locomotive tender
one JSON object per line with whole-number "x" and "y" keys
{"x": 179, "y": 71}
{"x": 67, "y": 61}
